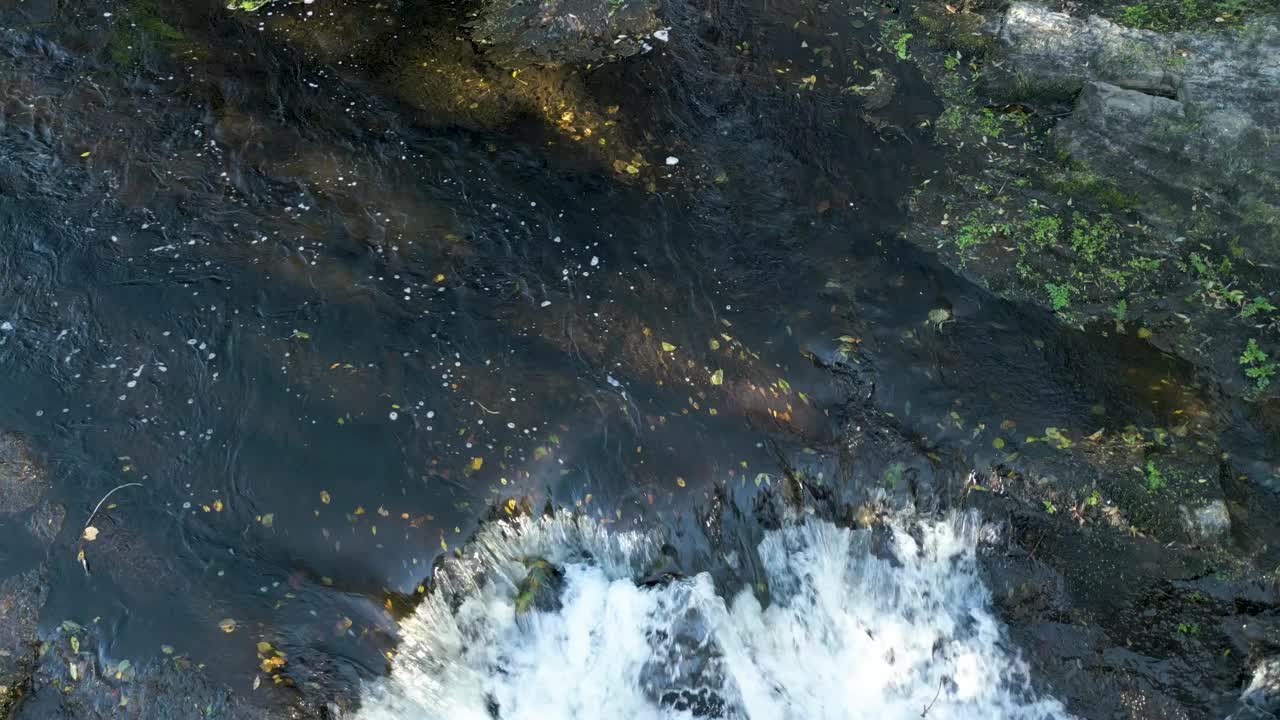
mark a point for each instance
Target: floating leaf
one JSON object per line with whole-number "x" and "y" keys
{"x": 90, "y": 533}
{"x": 268, "y": 519}
{"x": 680, "y": 481}
{"x": 75, "y": 644}
{"x": 86, "y": 153}
{"x": 477, "y": 463}
{"x": 324, "y": 497}
{"x": 668, "y": 347}
{"x": 717, "y": 377}
{"x": 227, "y": 625}
{"x": 998, "y": 443}
{"x": 264, "y": 647}
{"x": 217, "y": 505}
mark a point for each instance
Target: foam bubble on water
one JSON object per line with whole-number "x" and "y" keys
{"x": 856, "y": 628}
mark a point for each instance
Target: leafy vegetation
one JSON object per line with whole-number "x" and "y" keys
{"x": 1155, "y": 479}
{"x": 1059, "y": 295}
{"x": 1256, "y": 365}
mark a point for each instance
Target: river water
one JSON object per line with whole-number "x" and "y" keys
{"x": 329, "y": 295}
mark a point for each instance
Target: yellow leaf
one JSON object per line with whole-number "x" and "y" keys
{"x": 440, "y": 277}
{"x": 90, "y": 533}
{"x": 444, "y": 545}
{"x": 217, "y": 505}
{"x": 228, "y": 625}
{"x": 85, "y": 154}
{"x": 264, "y": 647}
{"x": 714, "y": 343}
{"x": 668, "y": 347}
{"x": 680, "y": 481}
{"x": 477, "y": 463}
{"x": 324, "y": 497}
{"x": 75, "y": 644}
{"x": 717, "y": 377}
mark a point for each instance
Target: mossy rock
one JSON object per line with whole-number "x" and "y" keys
{"x": 540, "y": 589}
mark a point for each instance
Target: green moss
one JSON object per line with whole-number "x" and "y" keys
{"x": 1171, "y": 15}
{"x": 139, "y": 28}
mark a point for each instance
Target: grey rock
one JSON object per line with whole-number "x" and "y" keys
{"x": 22, "y": 479}
{"x": 565, "y": 32}
{"x": 1171, "y": 116}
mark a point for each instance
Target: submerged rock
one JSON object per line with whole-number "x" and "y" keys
{"x": 566, "y": 32}
{"x": 22, "y": 479}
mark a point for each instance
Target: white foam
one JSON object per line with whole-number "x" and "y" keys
{"x": 847, "y": 635}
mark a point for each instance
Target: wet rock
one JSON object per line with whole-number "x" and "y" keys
{"x": 540, "y": 589}
{"x": 566, "y": 32}
{"x": 21, "y": 598}
{"x": 23, "y": 479}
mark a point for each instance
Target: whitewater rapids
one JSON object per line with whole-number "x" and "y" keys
{"x": 904, "y": 631}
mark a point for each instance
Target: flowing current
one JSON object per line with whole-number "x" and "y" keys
{"x": 897, "y": 625}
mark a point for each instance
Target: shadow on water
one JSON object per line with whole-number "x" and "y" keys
{"x": 327, "y": 328}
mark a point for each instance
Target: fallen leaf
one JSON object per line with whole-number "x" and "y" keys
{"x": 717, "y": 377}
{"x": 324, "y": 497}
{"x": 90, "y": 533}
{"x": 477, "y": 463}
{"x": 228, "y": 625}
{"x": 668, "y": 347}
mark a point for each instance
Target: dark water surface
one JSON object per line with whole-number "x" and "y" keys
{"x": 327, "y": 321}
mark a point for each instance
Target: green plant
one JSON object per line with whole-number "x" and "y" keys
{"x": 951, "y": 62}
{"x": 1189, "y": 628}
{"x": 1255, "y": 306}
{"x": 1059, "y": 295}
{"x": 1120, "y": 309}
{"x": 1043, "y": 230}
{"x": 1091, "y": 239}
{"x": 1256, "y": 367}
{"x": 1155, "y": 479}
{"x": 1049, "y": 507}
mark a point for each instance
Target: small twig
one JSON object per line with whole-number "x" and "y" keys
{"x": 935, "y": 698}
{"x": 104, "y": 499}
{"x": 482, "y": 407}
